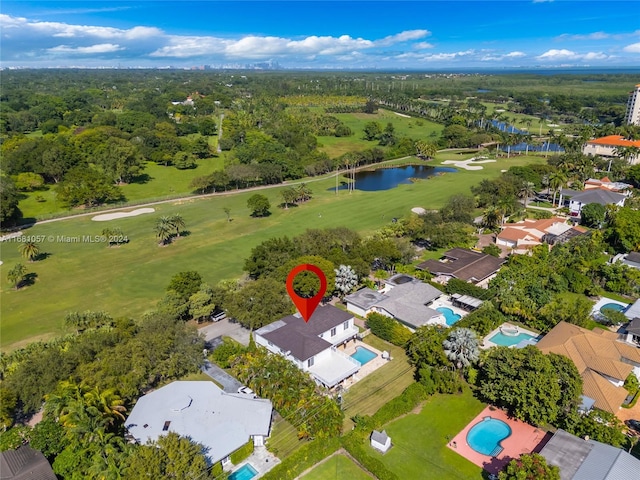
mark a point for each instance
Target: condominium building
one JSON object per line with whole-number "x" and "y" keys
{"x": 632, "y": 116}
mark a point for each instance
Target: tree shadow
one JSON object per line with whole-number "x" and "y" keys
{"x": 288, "y": 205}
{"x": 261, "y": 215}
{"x": 42, "y": 256}
{"x": 142, "y": 178}
{"x": 28, "y": 280}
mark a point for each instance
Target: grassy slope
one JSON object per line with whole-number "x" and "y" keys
{"x": 337, "y": 467}
{"x": 128, "y": 280}
{"x": 420, "y": 441}
{"x": 162, "y": 182}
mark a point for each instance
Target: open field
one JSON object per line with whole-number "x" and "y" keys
{"x": 159, "y": 181}
{"x": 128, "y": 280}
{"x": 337, "y": 467}
{"x": 404, "y": 127}
{"x": 420, "y": 441}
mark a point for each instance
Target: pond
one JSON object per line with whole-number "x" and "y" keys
{"x": 388, "y": 178}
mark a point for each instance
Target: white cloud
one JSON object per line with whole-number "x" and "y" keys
{"x": 405, "y": 36}
{"x": 92, "y": 49}
{"x": 633, "y": 48}
{"x": 423, "y": 45}
{"x": 564, "y": 54}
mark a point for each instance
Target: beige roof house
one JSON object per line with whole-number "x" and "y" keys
{"x": 524, "y": 235}
{"x": 603, "y": 361}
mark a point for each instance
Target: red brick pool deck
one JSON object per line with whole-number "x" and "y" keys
{"x": 523, "y": 439}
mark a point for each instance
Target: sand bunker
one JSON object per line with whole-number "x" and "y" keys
{"x": 418, "y": 210}
{"x": 402, "y": 115}
{"x": 471, "y": 164}
{"x": 113, "y": 216}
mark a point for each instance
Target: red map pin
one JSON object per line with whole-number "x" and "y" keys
{"x": 306, "y": 306}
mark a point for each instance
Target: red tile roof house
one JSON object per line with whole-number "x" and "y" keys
{"x": 521, "y": 237}
{"x": 311, "y": 345}
{"x": 609, "y": 146}
{"x": 473, "y": 267}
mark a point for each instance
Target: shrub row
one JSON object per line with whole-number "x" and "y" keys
{"x": 223, "y": 354}
{"x": 409, "y": 399}
{"x": 242, "y": 453}
{"x": 463, "y": 288}
{"x": 303, "y": 458}
{"x": 388, "y": 329}
{"x": 354, "y": 443}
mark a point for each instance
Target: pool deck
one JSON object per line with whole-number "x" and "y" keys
{"x": 595, "y": 311}
{"x": 367, "y": 368}
{"x": 486, "y": 343}
{"x": 524, "y": 438}
{"x": 261, "y": 459}
{"x": 445, "y": 302}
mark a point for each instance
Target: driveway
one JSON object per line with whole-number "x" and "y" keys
{"x": 224, "y": 328}
{"x": 229, "y": 384}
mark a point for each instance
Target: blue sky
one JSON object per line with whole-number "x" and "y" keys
{"x": 331, "y": 34}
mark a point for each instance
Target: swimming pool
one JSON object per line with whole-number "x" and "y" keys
{"x": 510, "y": 340}
{"x": 364, "y": 355}
{"x": 449, "y": 315}
{"x": 485, "y": 436}
{"x": 612, "y": 306}
{"x": 246, "y": 472}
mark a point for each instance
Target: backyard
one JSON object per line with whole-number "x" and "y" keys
{"x": 337, "y": 467}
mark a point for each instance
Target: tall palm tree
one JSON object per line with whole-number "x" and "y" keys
{"x": 461, "y": 347}
{"x": 491, "y": 217}
{"x": 176, "y": 221}
{"x": 528, "y": 189}
{"x": 164, "y": 230}
{"x": 556, "y": 182}
{"x": 29, "y": 250}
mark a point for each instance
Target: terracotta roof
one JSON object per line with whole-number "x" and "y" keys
{"x": 464, "y": 264}
{"x": 514, "y": 234}
{"x": 615, "y": 141}
{"x": 597, "y": 355}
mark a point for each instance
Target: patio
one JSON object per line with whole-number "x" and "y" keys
{"x": 261, "y": 460}
{"x": 524, "y": 438}
{"x": 365, "y": 369}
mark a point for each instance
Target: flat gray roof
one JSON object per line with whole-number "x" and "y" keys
{"x": 365, "y": 298}
{"x": 219, "y": 421}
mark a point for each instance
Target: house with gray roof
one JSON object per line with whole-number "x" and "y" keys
{"x": 631, "y": 259}
{"x": 601, "y": 196}
{"x": 463, "y": 264}
{"x": 25, "y": 463}
{"x": 221, "y": 422}
{"x": 312, "y": 346}
{"x": 580, "y": 459}
{"x": 404, "y": 298}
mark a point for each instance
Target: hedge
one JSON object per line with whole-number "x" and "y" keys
{"x": 303, "y": 458}
{"x": 455, "y": 285}
{"x": 242, "y": 453}
{"x": 216, "y": 470}
{"x": 401, "y": 405}
{"x": 388, "y": 329}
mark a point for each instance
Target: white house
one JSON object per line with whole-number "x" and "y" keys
{"x": 404, "y": 298}
{"x": 380, "y": 441}
{"x": 578, "y": 199}
{"x": 312, "y": 345}
{"x": 221, "y": 422}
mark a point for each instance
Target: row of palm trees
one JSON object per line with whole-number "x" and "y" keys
{"x": 168, "y": 227}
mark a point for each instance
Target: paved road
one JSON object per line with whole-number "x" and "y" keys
{"x": 229, "y": 384}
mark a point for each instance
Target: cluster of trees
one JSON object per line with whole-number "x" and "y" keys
{"x": 293, "y": 394}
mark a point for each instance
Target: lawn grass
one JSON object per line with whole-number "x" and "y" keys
{"x": 420, "y": 441}
{"x": 337, "y": 467}
{"x": 159, "y": 181}
{"x": 376, "y": 389}
{"x": 283, "y": 440}
{"x": 129, "y": 280}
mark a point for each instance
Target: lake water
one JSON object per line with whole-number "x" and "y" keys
{"x": 388, "y": 178}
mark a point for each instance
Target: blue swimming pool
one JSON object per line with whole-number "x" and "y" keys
{"x": 246, "y": 472}
{"x": 613, "y": 306}
{"x": 509, "y": 340}
{"x": 449, "y": 315}
{"x": 364, "y": 355}
{"x": 485, "y": 436}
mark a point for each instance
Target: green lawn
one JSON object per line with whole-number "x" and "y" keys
{"x": 160, "y": 182}
{"x": 420, "y": 441}
{"x": 376, "y": 389}
{"x": 283, "y": 440}
{"x": 128, "y": 280}
{"x": 338, "y": 467}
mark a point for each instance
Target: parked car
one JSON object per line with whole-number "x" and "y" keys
{"x": 218, "y": 315}
{"x": 633, "y": 425}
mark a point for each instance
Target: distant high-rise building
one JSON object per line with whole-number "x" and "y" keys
{"x": 633, "y": 107}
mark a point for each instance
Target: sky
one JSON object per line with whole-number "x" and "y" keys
{"x": 413, "y": 35}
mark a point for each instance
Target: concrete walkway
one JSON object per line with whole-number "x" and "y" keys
{"x": 229, "y": 384}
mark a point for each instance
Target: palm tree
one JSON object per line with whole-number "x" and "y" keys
{"x": 176, "y": 221}
{"x": 289, "y": 195}
{"x": 556, "y": 181}
{"x": 346, "y": 279}
{"x": 304, "y": 192}
{"x": 461, "y": 347}
{"x": 528, "y": 189}
{"x": 29, "y": 250}
{"x": 164, "y": 230}
{"x": 491, "y": 217}
{"x": 16, "y": 275}
{"x": 227, "y": 212}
